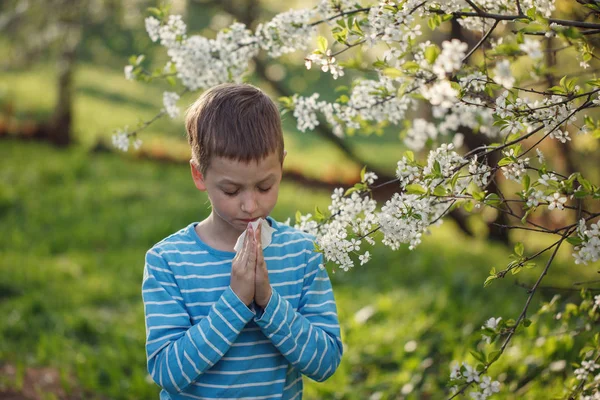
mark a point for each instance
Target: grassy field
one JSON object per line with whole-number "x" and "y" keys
{"x": 76, "y": 225}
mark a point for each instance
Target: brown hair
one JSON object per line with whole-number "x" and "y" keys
{"x": 235, "y": 121}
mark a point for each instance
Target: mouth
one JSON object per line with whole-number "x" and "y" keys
{"x": 249, "y": 220}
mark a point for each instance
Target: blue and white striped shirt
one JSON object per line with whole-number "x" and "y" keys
{"x": 202, "y": 342}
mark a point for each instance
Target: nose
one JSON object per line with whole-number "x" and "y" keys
{"x": 249, "y": 204}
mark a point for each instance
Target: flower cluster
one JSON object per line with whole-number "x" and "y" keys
{"x": 327, "y": 62}
{"x": 450, "y": 60}
{"x": 587, "y": 368}
{"x": 465, "y": 372}
{"x": 122, "y": 140}
{"x": 589, "y": 249}
{"x": 170, "y": 103}
{"x": 286, "y": 32}
{"x": 393, "y": 24}
{"x": 516, "y": 170}
{"x": 352, "y": 218}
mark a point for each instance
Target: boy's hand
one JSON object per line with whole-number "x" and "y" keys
{"x": 243, "y": 269}
{"x": 262, "y": 290}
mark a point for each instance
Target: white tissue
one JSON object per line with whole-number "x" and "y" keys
{"x": 266, "y": 231}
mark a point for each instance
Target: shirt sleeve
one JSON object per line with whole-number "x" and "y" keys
{"x": 178, "y": 351}
{"x": 310, "y": 337}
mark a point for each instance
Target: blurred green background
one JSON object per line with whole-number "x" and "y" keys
{"x": 76, "y": 220}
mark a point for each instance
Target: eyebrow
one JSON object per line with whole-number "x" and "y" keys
{"x": 226, "y": 181}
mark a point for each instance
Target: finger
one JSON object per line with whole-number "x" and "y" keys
{"x": 260, "y": 260}
{"x": 251, "y": 253}
{"x": 258, "y": 235}
{"x": 245, "y": 250}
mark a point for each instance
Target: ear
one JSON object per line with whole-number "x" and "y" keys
{"x": 197, "y": 177}
{"x": 284, "y": 154}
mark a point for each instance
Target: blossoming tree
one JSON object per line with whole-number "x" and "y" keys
{"x": 467, "y": 87}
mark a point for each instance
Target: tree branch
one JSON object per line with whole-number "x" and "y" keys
{"x": 480, "y": 43}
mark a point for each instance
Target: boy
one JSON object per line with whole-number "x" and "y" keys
{"x": 242, "y": 325}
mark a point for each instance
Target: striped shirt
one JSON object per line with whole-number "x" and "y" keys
{"x": 203, "y": 342}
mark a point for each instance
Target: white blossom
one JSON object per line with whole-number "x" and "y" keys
{"x": 488, "y": 386}
{"x": 120, "y": 140}
{"x": 502, "y": 74}
{"x": 152, "y": 26}
{"x": 419, "y": 133}
{"x": 364, "y": 258}
{"x": 304, "y": 111}
{"x": 540, "y": 156}
{"x": 440, "y": 94}
{"x": 532, "y": 48}
{"x": 492, "y": 323}
{"x": 556, "y": 201}
{"x": 286, "y": 32}
{"x": 560, "y": 135}
{"x": 169, "y": 102}
{"x": 450, "y": 59}
{"x": 470, "y": 374}
{"x": 129, "y": 72}
{"x": 589, "y": 250}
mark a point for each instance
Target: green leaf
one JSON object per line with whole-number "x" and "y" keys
{"x": 298, "y": 216}
{"x": 479, "y": 196}
{"x": 393, "y": 72}
{"x": 489, "y": 280}
{"x": 478, "y": 355}
{"x": 409, "y": 155}
{"x": 411, "y": 66}
{"x": 519, "y": 248}
{"x": 492, "y": 199}
{"x": 468, "y": 206}
{"x": 505, "y": 161}
{"x": 431, "y": 53}
{"x": 526, "y": 182}
{"x": 437, "y": 168}
{"x": 415, "y": 189}
{"x": 575, "y": 240}
{"x": 317, "y": 248}
{"x": 322, "y": 44}
{"x": 156, "y": 12}
{"x": 586, "y": 184}
{"x": 171, "y": 80}
{"x": 362, "y": 173}
{"x": 439, "y": 191}
{"x": 318, "y": 214}
{"x": 516, "y": 270}
{"x": 493, "y": 356}
{"x": 526, "y": 322}
{"x": 530, "y": 265}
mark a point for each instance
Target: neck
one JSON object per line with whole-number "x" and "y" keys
{"x": 217, "y": 233}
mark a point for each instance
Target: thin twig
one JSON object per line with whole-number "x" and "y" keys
{"x": 342, "y": 14}
{"x": 519, "y": 9}
{"x": 483, "y": 39}
{"x": 475, "y": 7}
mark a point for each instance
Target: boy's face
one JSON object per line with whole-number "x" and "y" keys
{"x": 240, "y": 192}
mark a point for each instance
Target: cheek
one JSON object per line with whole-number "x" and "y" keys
{"x": 271, "y": 198}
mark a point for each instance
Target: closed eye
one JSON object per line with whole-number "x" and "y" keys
{"x": 265, "y": 190}
{"x": 231, "y": 194}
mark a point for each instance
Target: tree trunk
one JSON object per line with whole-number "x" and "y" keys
{"x": 60, "y": 126}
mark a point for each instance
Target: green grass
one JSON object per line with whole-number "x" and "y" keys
{"x": 76, "y": 225}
